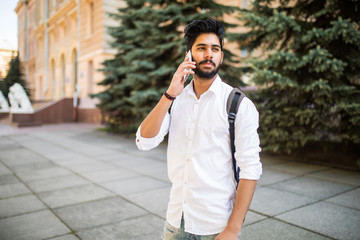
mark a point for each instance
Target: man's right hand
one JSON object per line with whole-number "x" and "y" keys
{"x": 177, "y": 82}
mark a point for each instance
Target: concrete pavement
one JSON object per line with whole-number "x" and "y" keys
{"x": 70, "y": 181}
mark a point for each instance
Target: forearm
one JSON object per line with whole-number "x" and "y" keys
{"x": 151, "y": 125}
{"x": 244, "y": 195}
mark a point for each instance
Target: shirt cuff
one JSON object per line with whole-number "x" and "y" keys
{"x": 146, "y": 144}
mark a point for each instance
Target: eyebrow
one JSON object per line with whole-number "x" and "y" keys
{"x": 203, "y": 44}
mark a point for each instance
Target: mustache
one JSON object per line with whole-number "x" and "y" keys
{"x": 207, "y": 61}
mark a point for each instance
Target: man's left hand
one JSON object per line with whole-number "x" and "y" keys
{"x": 227, "y": 235}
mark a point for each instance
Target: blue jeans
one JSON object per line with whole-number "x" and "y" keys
{"x": 172, "y": 233}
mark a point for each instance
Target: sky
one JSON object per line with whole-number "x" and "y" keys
{"x": 8, "y": 24}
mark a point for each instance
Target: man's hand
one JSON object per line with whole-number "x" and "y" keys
{"x": 227, "y": 235}
{"x": 177, "y": 82}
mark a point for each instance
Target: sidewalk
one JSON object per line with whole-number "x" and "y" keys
{"x": 69, "y": 181}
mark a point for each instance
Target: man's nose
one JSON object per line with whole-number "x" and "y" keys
{"x": 208, "y": 53}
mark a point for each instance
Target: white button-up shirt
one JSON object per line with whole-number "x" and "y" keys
{"x": 199, "y": 156}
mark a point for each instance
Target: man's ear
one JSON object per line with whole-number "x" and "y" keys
{"x": 222, "y": 57}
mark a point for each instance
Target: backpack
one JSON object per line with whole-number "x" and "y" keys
{"x": 232, "y": 106}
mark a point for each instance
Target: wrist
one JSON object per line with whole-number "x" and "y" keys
{"x": 234, "y": 229}
{"x": 169, "y": 96}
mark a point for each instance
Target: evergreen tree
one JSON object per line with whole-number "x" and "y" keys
{"x": 14, "y": 75}
{"x": 150, "y": 47}
{"x": 309, "y": 71}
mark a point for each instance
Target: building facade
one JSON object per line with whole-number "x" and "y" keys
{"x": 62, "y": 44}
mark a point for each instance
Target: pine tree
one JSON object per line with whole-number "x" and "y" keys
{"x": 150, "y": 47}
{"x": 14, "y": 75}
{"x": 308, "y": 73}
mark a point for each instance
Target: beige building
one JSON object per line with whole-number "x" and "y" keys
{"x": 62, "y": 44}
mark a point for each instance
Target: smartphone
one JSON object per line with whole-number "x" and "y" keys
{"x": 190, "y": 59}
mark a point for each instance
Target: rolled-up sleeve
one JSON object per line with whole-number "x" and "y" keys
{"x": 247, "y": 142}
{"x": 150, "y": 143}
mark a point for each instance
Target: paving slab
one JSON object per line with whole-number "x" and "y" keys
{"x": 92, "y": 165}
{"x": 313, "y": 188}
{"x": 78, "y": 146}
{"x": 349, "y": 199}
{"x": 40, "y": 174}
{"x": 108, "y": 175}
{"x": 43, "y": 147}
{"x": 150, "y": 167}
{"x": 70, "y": 158}
{"x": 271, "y": 229}
{"x": 6, "y": 144}
{"x": 155, "y": 201}
{"x": 8, "y": 179}
{"x": 339, "y": 176}
{"x": 3, "y": 169}
{"x": 20, "y": 205}
{"x": 19, "y": 157}
{"x": 114, "y": 157}
{"x": 252, "y": 217}
{"x": 131, "y": 161}
{"x": 146, "y": 227}
{"x": 74, "y": 195}
{"x": 272, "y": 176}
{"x": 98, "y": 213}
{"x": 297, "y": 168}
{"x": 158, "y": 153}
{"x": 328, "y": 219}
{"x": 37, "y": 225}
{"x": 134, "y": 185}
{"x": 272, "y": 202}
{"x": 12, "y": 190}
{"x": 56, "y": 183}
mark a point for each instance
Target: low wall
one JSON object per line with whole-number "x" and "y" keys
{"x": 4, "y": 115}
{"x": 56, "y": 112}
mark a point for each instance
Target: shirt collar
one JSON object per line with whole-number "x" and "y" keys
{"x": 215, "y": 87}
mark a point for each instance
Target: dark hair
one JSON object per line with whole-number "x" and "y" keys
{"x": 197, "y": 27}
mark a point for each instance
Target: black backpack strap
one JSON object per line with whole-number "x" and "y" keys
{"x": 169, "y": 110}
{"x": 232, "y": 106}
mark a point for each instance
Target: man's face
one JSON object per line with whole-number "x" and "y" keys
{"x": 207, "y": 54}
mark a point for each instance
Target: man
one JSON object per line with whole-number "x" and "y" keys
{"x": 204, "y": 202}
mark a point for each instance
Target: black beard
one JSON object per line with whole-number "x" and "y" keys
{"x": 206, "y": 75}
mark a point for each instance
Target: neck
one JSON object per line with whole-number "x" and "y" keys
{"x": 201, "y": 85}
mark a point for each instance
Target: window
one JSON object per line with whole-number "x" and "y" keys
{"x": 90, "y": 18}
